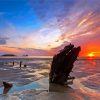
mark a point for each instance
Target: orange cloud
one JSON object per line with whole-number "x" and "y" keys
{"x": 85, "y": 31}
{"x": 9, "y": 50}
{"x": 22, "y": 51}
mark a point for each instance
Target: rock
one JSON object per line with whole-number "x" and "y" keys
{"x": 7, "y": 87}
{"x": 25, "y": 66}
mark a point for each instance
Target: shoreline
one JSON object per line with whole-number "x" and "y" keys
{"x": 31, "y": 83}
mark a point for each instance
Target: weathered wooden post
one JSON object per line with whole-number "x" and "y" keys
{"x": 20, "y": 64}
{"x": 62, "y": 64}
{"x": 13, "y": 63}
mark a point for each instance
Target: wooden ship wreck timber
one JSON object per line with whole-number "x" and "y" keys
{"x": 62, "y": 65}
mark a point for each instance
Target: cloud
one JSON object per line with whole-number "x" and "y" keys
{"x": 80, "y": 26}
{"x": 47, "y": 9}
{"x": 73, "y": 18}
{"x": 89, "y": 43}
{"x": 7, "y": 31}
{"x": 23, "y": 51}
{"x": 3, "y": 41}
{"x": 63, "y": 21}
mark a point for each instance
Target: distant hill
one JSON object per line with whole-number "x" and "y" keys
{"x": 8, "y": 55}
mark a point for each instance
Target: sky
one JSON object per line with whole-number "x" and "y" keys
{"x": 43, "y": 27}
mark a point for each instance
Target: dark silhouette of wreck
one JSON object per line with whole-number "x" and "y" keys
{"x": 7, "y": 87}
{"x": 62, "y": 64}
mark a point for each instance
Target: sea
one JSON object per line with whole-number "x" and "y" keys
{"x": 31, "y": 79}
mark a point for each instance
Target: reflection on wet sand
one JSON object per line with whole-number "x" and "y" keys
{"x": 31, "y": 82}
{"x": 59, "y": 88}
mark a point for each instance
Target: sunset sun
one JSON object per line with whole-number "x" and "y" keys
{"x": 91, "y": 55}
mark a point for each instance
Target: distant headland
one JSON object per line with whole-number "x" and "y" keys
{"x": 8, "y": 55}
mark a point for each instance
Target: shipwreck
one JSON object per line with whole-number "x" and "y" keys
{"x": 62, "y": 65}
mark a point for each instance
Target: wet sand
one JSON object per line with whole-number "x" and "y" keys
{"x": 31, "y": 83}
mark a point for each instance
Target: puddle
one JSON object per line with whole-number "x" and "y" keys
{"x": 40, "y": 84}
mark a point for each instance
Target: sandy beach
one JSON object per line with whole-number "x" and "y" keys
{"x": 31, "y": 82}
{"x": 49, "y": 41}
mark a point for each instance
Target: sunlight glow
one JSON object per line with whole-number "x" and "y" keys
{"x": 91, "y": 54}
